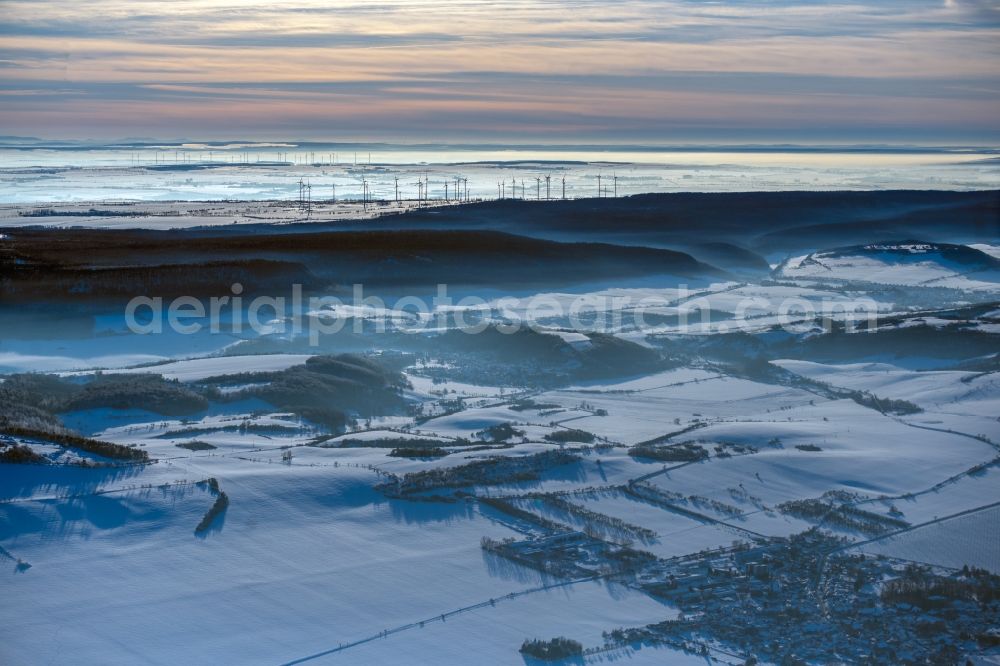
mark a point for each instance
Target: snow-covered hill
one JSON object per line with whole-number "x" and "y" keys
{"x": 899, "y": 263}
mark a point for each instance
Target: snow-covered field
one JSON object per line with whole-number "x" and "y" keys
{"x": 915, "y": 264}
{"x": 313, "y": 561}
{"x": 969, "y": 539}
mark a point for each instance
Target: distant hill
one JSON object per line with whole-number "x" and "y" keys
{"x": 62, "y": 264}
{"x": 763, "y": 222}
{"x": 909, "y": 262}
{"x": 910, "y": 251}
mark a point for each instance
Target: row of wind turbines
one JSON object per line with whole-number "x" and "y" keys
{"x": 515, "y": 186}
{"x": 456, "y": 190}
{"x": 459, "y": 194}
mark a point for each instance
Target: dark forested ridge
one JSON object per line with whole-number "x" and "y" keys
{"x": 509, "y": 241}
{"x": 513, "y": 242}
{"x": 64, "y": 264}
{"x": 760, "y": 221}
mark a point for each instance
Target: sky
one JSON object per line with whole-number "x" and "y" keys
{"x": 554, "y": 71}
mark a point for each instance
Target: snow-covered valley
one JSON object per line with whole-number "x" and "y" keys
{"x": 659, "y": 490}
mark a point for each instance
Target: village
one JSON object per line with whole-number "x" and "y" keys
{"x": 796, "y": 600}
